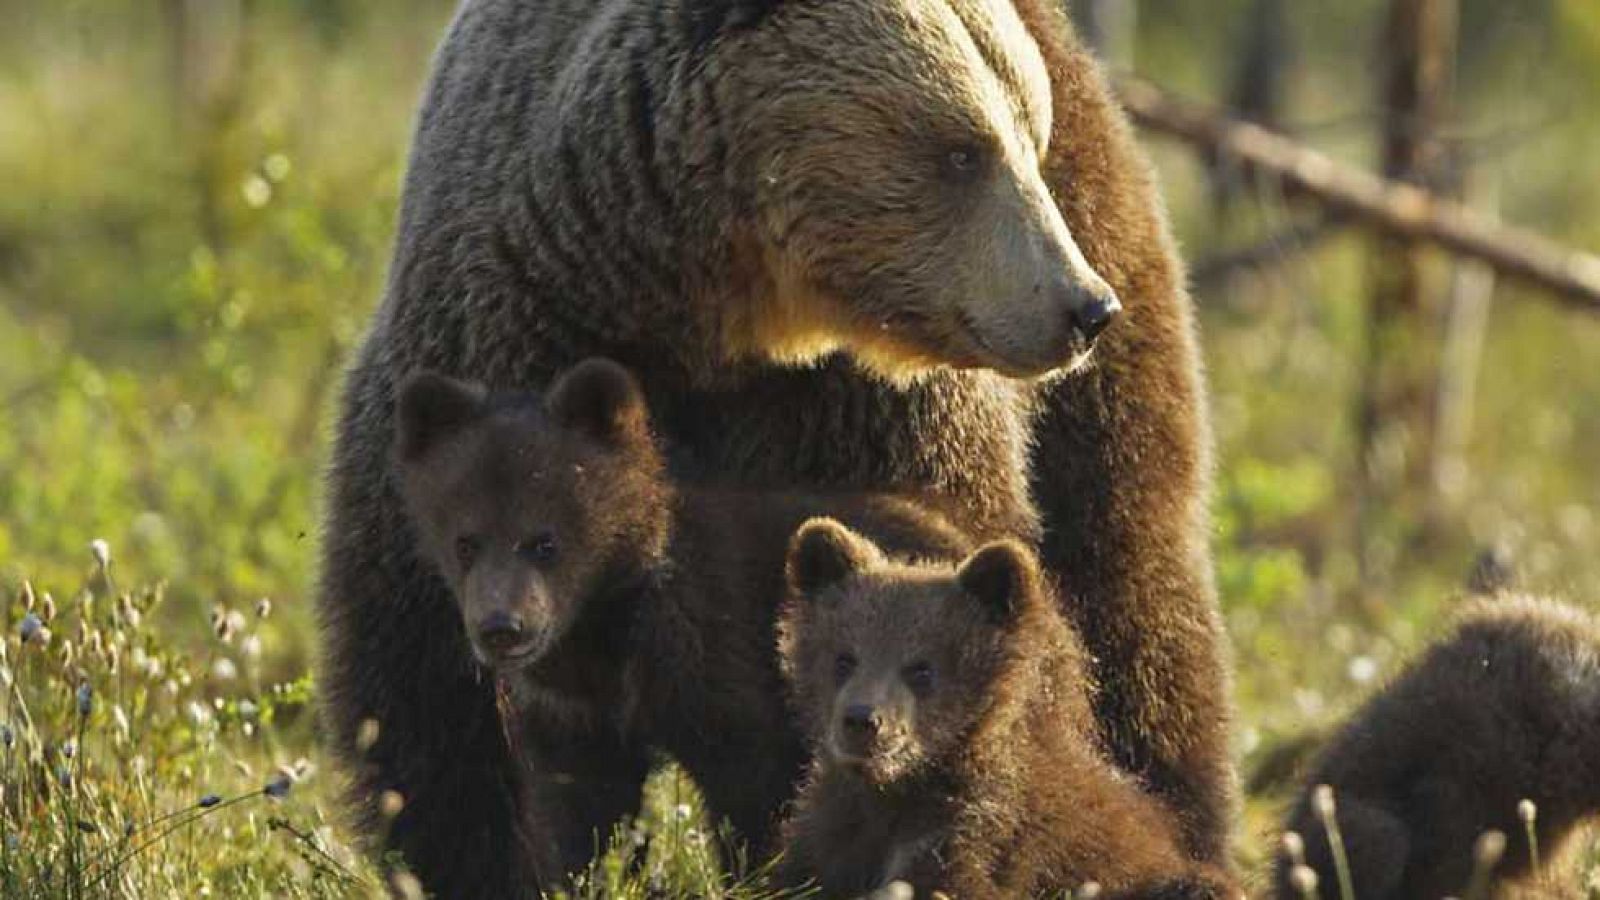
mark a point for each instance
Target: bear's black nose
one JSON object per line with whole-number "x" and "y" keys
{"x": 500, "y": 631}
{"x": 861, "y": 720}
{"x": 1096, "y": 316}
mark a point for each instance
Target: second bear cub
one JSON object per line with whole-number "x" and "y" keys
{"x": 1506, "y": 708}
{"x": 640, "y": 614}
{"x": 951, "y": 724}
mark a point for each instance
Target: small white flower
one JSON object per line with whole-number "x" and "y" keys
{"x": 257, "y": 191}
{"x": 101, "y": 551}
{"x": 224, "y": 669}
{"x": 250, "y": 647}
{"x": 198, "y": 714}
{"x": 1363, "y": 669}
{"x": 277, "y": 166}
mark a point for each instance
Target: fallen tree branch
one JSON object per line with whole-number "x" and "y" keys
{"x": 1402, "y": 210}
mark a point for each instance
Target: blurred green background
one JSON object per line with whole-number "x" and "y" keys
{"x": 197, "y": 202}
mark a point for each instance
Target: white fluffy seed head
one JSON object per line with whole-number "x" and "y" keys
{"x": 366, "y": 735}
{"x": 1322, "y": 802}
{"x": 1294, "y": 847}
{"x": 1528, "y": 812}
{"x": 406, "y": 886}
{"x": 390, "y": 803}
{"x": 1488, "y": 850}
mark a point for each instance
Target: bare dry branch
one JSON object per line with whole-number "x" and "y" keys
{"x": 1399, "y": 209}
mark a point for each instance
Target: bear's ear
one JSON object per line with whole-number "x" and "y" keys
{"x": 823, "y": 553}
{"x": 1001, "y": 576}
{"x": 601, "y": 399}
{"x": 431, "y": 406}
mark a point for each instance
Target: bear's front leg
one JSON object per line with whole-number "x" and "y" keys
{"x": 1121, "y": 467}
{"x": 574, "y": 790}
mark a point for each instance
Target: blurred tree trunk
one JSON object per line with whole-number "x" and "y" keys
{"x": 1110, "y": 27}
{"x": 205, "y": 54}
{"x": 1264, "y": 59}
{"x": 206, "y": 67}
{"x": 1466, "y": 320}
{"x": 1395, "y": 418}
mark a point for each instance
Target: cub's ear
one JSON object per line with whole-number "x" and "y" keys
{"x": 601, "y": 399}
{"x": 431, "y": 406}
{"x": 823, "y": 553}
{"x": 1001, "y": 576}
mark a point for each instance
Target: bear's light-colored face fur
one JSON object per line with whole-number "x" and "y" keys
{"x": 892, "y": 666}
{"x": 900, "y": 206}
{"x": 527, "y": 507}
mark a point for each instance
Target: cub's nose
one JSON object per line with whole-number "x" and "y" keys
{"x": 1094, "y": 317}
{"x": 500, "y": 631}
{"x": 861, "y": 721}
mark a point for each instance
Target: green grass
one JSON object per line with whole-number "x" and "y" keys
{"x": 133, "y": 767}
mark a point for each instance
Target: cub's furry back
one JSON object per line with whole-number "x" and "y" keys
{"x": 1504, "y": 709}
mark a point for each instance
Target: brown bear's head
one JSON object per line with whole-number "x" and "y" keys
{"x": 532, "y": 508}
{"x": 893, "y": 667}
{"x": 891, "y": 153}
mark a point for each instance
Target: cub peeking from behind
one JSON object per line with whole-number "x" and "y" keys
{"x": 1505, "y": 709}
{"x": 950, "y": 718}
{"x": 639, "y": 613}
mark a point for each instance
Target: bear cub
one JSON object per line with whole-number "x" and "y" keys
{"x": 952, "y": 731}
{"x": 1504, "y": 709}
{"x": 605, "y": 596}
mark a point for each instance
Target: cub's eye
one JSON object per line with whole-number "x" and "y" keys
{"x": 919, "y": 677}
{"x": 963, "y": 162}
{"x": 467, "y": 549}
{"x": 540, "y": 550}
{"x": 843, "y": 667}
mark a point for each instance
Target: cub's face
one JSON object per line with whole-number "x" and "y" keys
{"x": 893, "y": 149}
{"x": 527, "y": 507}
{"x": 893, "y": 666}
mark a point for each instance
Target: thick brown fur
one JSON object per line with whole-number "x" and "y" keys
{"x": 1505, "y": 709}
{"x": 953, "y": 738}
{"x": 647, "y": 618}
{"x": 718, "y": 193}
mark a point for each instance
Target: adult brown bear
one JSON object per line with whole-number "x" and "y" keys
{"x": 841, "y": 242}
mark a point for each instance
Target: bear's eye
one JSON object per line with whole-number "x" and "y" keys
{"x": 919, "y": 677}
{"x": 963, "y": 162}
{"x": 843, "y": 667}
{"x": 467, "y": 549}
{"x": 540, "y": 550}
